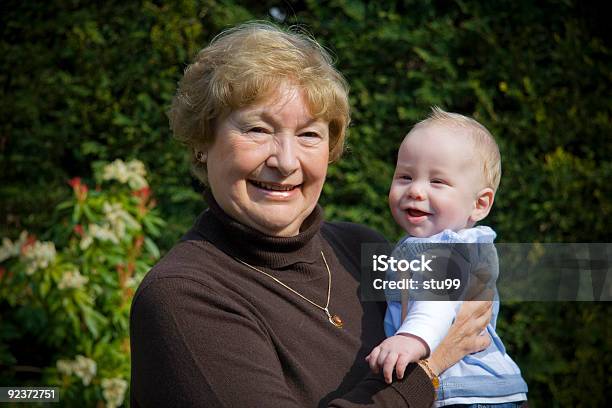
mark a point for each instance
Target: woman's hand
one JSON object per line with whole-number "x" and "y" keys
{"x": 464, "y": 337}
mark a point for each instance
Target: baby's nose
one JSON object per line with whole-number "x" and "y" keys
{"x": 416, "y": 191}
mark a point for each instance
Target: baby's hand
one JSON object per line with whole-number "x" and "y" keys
{"x": 396, "y": 351}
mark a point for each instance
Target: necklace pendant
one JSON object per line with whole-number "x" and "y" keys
{"x": 336, "y": 321}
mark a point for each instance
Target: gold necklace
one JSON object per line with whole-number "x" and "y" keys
{"x": 335, "y": 319}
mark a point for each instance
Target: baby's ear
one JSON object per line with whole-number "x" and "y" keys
{"x": 483, "y": 204}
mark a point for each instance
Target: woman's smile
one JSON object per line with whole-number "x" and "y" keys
{"x": 274, "y": 191}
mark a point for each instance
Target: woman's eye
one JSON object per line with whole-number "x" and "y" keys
{"x": 257, "y": 129}
{"x": 310, "y": 138}
{"x": 407, "y": 178}
{"x": 313, "y": 135}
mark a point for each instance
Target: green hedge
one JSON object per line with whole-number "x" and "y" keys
{"x": 84, "y": 82}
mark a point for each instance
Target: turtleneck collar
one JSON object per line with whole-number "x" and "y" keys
{"x": 252, "y": 246}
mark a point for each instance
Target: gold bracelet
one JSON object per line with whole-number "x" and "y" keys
{"x": 435, "y": 381}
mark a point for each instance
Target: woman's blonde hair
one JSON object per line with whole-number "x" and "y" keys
{"x": 247, "y": 64}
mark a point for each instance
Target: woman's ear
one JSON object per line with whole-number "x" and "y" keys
{"x": 201, "y": 156}
{"x": 483, "y": 204}
{"x": 200, "y": 152}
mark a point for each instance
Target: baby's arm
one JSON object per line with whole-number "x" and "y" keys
{"x": 429, "y": 320}
{"x": 396, "y": 352}
{"x": 425, "y": 326}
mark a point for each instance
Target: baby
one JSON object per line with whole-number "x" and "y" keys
{"x": 448, "y": 170}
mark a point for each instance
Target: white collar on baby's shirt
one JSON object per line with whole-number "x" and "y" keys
{"x": 479, "y": 234}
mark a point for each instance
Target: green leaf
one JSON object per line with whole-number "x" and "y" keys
{"x": 151, "y": 247}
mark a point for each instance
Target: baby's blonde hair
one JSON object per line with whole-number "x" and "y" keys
{"x": 484, "y": 143}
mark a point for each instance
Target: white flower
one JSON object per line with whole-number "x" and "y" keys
{"x": 116, "y": 170}
{"x": 132, "y": 172}
{"x": 84, "y": 368}
{"x": 10, "y": 249}
{"x": 119, "y": 219}
{"x": 113, "y": 390}
{"x": 38, "y": 256}
{"x": 137, "y": 182}
{"x": 113, "y": 228}
{"x": 72, "y": 280}
{"x": 65, "y": 366}
{"x": 7, "y": 250}
{"x": 103, "y": 233}
{"x": 136, "y": 167}
{"x": 81, "y": 366}
{"x": 137, "y": 175}
{"x": 86, "y": 242}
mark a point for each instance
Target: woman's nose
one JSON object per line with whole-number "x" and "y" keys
{"x": 284, "y": 156}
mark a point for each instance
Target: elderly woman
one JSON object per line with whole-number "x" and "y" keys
{"x": 258, "y": 304}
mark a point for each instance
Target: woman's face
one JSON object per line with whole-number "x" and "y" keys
{"x": 268, "y": 162}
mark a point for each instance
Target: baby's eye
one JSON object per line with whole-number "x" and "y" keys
{"x": 407, "y": 178}
{"x": 438, "y": 181}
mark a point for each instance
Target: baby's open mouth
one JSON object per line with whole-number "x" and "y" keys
{"x": 416, "y": 213}
{"x": 273, "y": 186}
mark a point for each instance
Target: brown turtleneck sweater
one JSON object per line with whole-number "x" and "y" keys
{"x": 207, "y": 331}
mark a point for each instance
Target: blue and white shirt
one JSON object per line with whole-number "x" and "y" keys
{"x": 489, "y": 376}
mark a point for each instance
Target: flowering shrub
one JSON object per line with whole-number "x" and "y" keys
{"x": 64, "y": 301}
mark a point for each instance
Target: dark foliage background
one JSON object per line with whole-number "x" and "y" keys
{"x": 88, "y": 81}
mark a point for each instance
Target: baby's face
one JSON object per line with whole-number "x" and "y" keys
{"x": 436, "y": 181}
